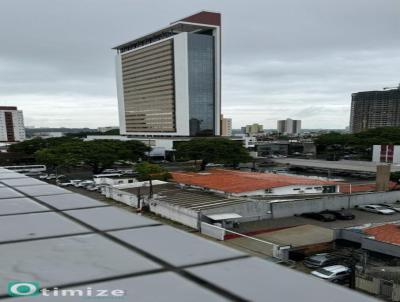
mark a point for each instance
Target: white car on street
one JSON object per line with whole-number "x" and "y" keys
{"x": 374, "y": 208}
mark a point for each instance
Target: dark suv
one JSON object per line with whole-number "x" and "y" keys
{"x": 341, "y": 215}
{"x": 321, "y": 260}
{"x": 319, "y": 216}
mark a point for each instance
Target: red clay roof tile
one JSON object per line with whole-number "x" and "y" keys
{"x": 387, "y": 233}
{"x": 238, "y": 182}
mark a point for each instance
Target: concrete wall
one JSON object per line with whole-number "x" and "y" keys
{"x": 370, "y": 285}
{"x": 250, "y": 211}
{"x": 380, "y": 247}
{"x": 182, "y": 215}
{"x": 121, "y": 196}
{"x": 369, "y": 243}
{"x": 287, "y": 190}
{"x": 296, "y": 207}
{"x": 349, "y": 235}
{"x": 212, "y": 231}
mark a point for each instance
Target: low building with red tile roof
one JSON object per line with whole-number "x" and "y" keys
{"x": 389, "y": 233}
{"x": 237, "y": 183}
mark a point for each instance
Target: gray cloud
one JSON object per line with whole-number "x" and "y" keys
{"x": 287, "y": 58}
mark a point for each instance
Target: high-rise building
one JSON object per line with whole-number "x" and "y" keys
{"x": 374, "y": 109}
{"x": 289, "y": 126}
{"x": 253, "y": 129}
{"x": 169, "y": 81}
{"x": 11, "y": 124}
{"x": 226, "y": 126}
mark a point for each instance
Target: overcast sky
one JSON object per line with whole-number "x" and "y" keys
{"x": 281, "y": 58}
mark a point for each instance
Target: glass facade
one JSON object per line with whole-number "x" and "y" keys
{"x": 201, "y": 84}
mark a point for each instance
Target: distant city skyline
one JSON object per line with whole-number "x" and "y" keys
{"x": 304, "y": 63}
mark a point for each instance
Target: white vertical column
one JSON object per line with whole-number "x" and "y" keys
{"x": 217, "y": 42}
{"x": 181, "y": 70}
{"x": 120, "y": 94}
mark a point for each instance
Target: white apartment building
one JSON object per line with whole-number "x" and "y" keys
{"x": 386, "y": 154}
{"x": 289, "y": 126}
{"x": 11, "y": 124}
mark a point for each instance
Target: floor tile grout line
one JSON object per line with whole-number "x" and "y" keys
{"x": 204, "y": 283}
{"x": 51, "y": 211}
{"x": 22, "y": 240}
{"x": 74, "y": 234}
{"x": 215, "y": 261}
{"x": 30, "y": 185}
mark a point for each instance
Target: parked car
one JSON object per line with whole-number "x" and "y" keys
{"x": 92, "y": 188}
{"x": 43, "y": 176}
{"x": 110, "y": 171}
{"x": 341, "y": 215}
{"x": 51, "y": 176}
{"x": 75, "y": 182}
{"x": 85, "y": 183}
{"x": 321, "y": 259}
{"x": 374, "y": 208}
{"x": 319, "y": 216}
{"x": 65, "y": 184}
{"x": 214, "y": 165}
{"x": 334, "y": 273}
{"x": 394, "y": 207}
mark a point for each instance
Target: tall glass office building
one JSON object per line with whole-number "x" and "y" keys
{"x": 169, "y": 82}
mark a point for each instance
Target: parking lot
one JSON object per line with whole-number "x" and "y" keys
{"x": 362, "y": 217}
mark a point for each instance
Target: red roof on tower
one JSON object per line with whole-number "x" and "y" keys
{"x": 204, "y": 17}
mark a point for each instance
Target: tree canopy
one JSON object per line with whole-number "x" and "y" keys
{"x": 150, "y": 171}
{"x": 213, "y": 150}
{"x": 98, "y": 154}
{"x": 377, "y": 136}
{"x": 30, "y": 146}
{"x": 357, "y": 143}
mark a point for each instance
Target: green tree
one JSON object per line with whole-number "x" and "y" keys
{"x": 149, "y": 171}
{"x": 30, "y": 146}
{"x": 112, "y": 132}
{"x": 395, "y": 176}
{"x": 360, "y": 143}
{"x": 98, "y": 154}
{"x": 68, "y": 154}
{"x": 213, "y": 150}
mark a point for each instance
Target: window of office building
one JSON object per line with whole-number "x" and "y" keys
{"x": 201, "y": 84}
